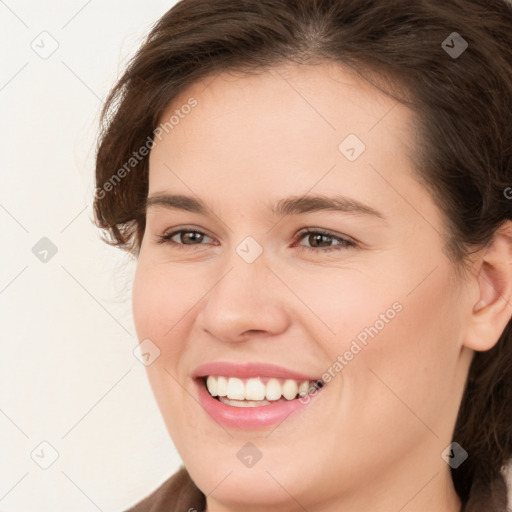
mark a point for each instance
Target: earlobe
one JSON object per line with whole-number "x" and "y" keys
{"x": 493, "y": 309}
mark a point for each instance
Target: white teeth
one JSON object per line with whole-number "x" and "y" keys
{"x": 245, "y": 403}
{"x": 274, "y": 390}
{"x": 254, "y": 391}
{"x": 303, "y": 388}
{"x": 236, "y": 389}
{"x": 222, "y": 386}
{"x": 211, "y": 384}
{"x": 290, "y": 389}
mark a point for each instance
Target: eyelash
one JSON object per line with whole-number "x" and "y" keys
{"x": 345, "y": 243}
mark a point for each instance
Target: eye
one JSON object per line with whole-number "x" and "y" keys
{"x": 184, "y": 237}
{"x": 320, "y": 240}
{"x": 318, "y": 237}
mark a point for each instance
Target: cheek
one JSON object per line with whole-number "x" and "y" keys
{"x": 341, "y": 305}
{"x": 408, "y": 371}
{"x": 161, "y": 303}
{"x": 161, "y": 299}
{"x": 423, "y": 339}
{"x": 165, "y": 299}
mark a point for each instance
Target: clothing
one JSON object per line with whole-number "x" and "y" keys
{"x": 176, "y": 494}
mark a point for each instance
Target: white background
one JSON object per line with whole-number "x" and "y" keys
{"x": 67, "y": 372}
{"x": 68, "y": 376}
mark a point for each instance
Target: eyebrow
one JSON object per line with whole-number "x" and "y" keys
{"x": 295, "y": 205}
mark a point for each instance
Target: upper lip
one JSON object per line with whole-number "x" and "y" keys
{"x": 248, "y": 370}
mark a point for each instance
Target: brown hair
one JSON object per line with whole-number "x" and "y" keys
{"x": 463, "y": 105}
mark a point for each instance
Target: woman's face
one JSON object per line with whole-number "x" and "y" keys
{"x": 366, "y": 302}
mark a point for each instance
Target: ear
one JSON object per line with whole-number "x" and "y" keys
{"x": 492, "y": 310}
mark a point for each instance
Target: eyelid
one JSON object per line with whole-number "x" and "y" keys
{"x": 167, "y": 235}
{"x": 327, "y": 232}
{"x": 345, "y": 242}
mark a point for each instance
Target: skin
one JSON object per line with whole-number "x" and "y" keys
{"x": 372, "y": 438}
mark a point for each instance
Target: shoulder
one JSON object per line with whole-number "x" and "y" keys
{"x": 178, "y": 493}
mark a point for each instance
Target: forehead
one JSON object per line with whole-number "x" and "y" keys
{"x": 326, "y": 97}
{"x": 282, "y": 127}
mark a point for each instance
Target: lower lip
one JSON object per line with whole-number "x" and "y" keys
{"x": 247, "y": 418}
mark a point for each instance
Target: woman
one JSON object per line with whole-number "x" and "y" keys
{"x": 317, "y": 193}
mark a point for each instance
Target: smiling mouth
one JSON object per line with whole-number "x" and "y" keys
{"x": 258, "y": 391}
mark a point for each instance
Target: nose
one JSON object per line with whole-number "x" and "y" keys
{"x": 248, "y": 301}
